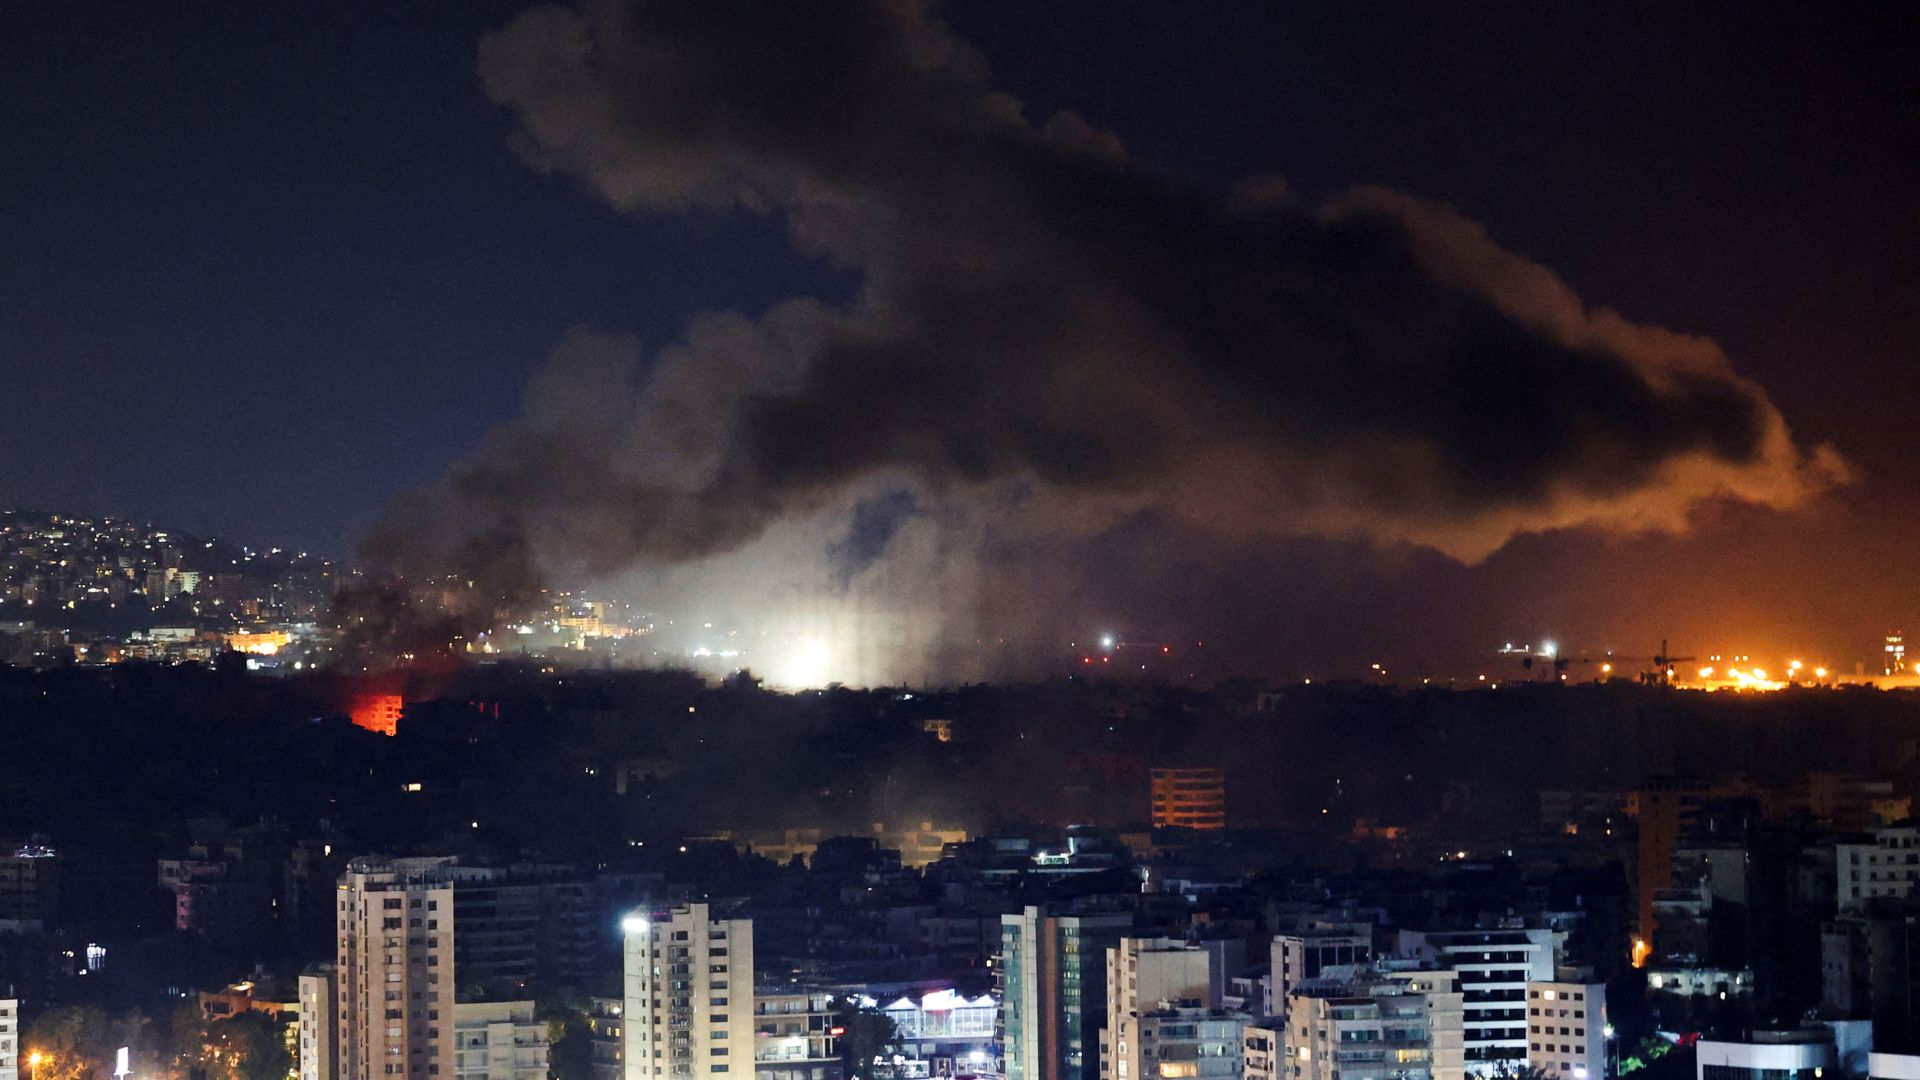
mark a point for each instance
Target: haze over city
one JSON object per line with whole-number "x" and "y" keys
{"x": 947, "y": 540}
{"x": 1327, "y": 341}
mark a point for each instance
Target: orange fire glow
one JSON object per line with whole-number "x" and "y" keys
{"x": 376, "y": 712}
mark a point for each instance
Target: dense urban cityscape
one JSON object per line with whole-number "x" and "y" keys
{"x": 260, "y": 870}
{"x": 953, "y": 540}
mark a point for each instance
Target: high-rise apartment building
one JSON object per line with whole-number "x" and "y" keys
{"x": 1494, "y": 968}
{"x": 1446, "y": 1017}
{"x": 1567, "y": 1029}
{"x": 1192, "y": 1043}
{"x": 394, "y": 970}
{"x": 1663, "y": 810}
{"x": 318, "y": 1043}
{"x": 1052, "y": 972}
{"x": 1145, "y": 975}
{"x": 9, "y": 1039}
{"x": 1300, "y": 956}
{"x": 1189, "y": 798}
{"x": 688, "y": 995}
{"x": 1369, "y": 1030}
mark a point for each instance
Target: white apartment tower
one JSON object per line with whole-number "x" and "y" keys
{"x": 319, "y": 1035}
{"x": 1145, "y": 975}
{"x": 1493, "y": 969}
{"x": 1446, "y": 1018}
{"x": 1371, "y": 1032}
{"x": 1567, "y": 1029}
{"x": 9, "y": 1039}
{"x": 688, "y": 997}
{"x": 394, "y": 970}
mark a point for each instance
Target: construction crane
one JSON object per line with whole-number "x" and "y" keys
{"x": 1547, "y": 657}
{"x": 1659, "y": 667}
{"x": 1663, "y": 664}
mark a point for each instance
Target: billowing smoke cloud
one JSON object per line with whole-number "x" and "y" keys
{"x": 1050, "y": 338}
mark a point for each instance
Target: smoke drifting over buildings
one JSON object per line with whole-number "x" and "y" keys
{"x": 1051, "y": 345}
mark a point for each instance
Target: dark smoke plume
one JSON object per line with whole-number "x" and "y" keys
{"x": 1048, "y": 331}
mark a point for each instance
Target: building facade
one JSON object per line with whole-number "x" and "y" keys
{"x": 1191, "y": 1043}
{"x": 394, "y": 970}
{"x": 1189, "y": 798}
{"x": 1883, "y": 1066}
{"x": 793, "y": 1036}
{"x": 1768, "y": 1055}
{"x": 1052, "y": 974}
{"x": 1446, "y": 1018}
{"x": 1145, "y": 975}
{"x": 1263, "y": 1047}
{"x": 945, "y": 1034}
{"x": 1567, "y": 1029}
{"x": 1368, "y": 1032}
{"x": 1295, "y": 958}
{"x": 317, "y": 1046}
{"x": 1883, "y": 865}
{"x": 604, "y": 1023}
{"x": 498, "y": 1040}
{"x": 1494, "y": 968}
{"x": 9, "y": 1039}
{"x": 29, "y": 886}
{"x": 687, "y": 1008}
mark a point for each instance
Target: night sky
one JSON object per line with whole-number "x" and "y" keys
{"x": 264, "y": 271}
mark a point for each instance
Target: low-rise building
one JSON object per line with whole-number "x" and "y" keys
{"x": 1893, "y": 1066}
{"x": 1700, "y": 982}
{"x": 498, "y": 1040}
{"x": 793, "y": 1036}
{"x": 1883, "y": 865}
{"x": 1263, "y": 1046}
{"x": 1768, "y": 1055}
{"x": 1567, "y": 1029}
{"x": 944, "y": 1033}
{"x": 603, "y": 1023}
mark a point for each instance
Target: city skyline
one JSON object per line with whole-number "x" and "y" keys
{"x": 315, "y": 275}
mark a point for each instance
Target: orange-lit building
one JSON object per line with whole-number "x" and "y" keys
{"x": 1194, "y": 798}
{"x": 377, "y": 712}
{"x": 261, "y": 643}
{"x": 1662, "y": 809}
